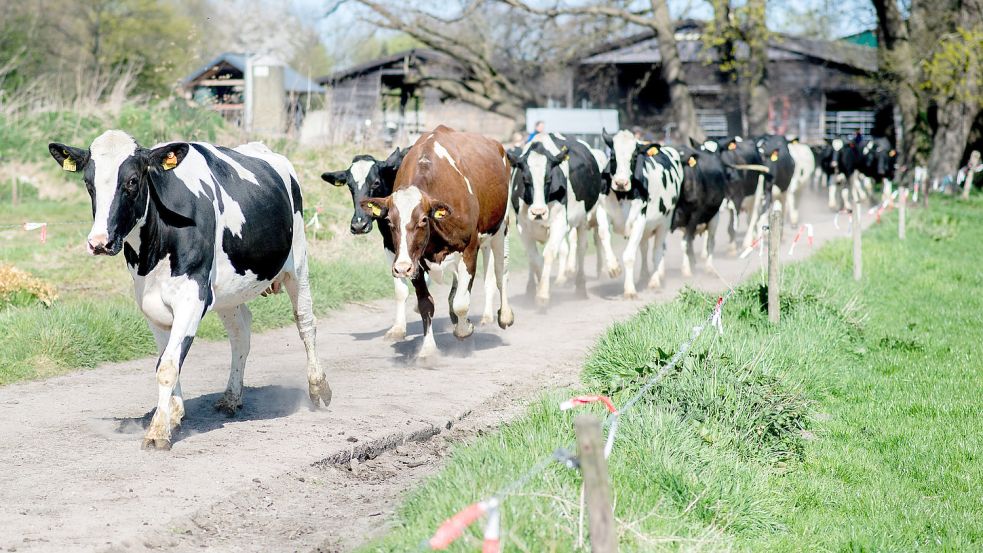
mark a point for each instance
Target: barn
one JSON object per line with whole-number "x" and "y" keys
{"x": 380, "y": 99}
{"x": 818, "y": 89}
{"x": 221, "y": 85}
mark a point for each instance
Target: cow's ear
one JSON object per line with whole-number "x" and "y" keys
{"x": 639, "y": 172}
{"x": 376, "y": 208}
{"x": 337, "y": 178}
{"x": 390, "y": 167}
{"x": 169, "y": 156}
{"x": 439, "y": 210}
{"x": 71, "y": 159}
{"x": 514, "y": 157}
{"x": 608, "y": 139}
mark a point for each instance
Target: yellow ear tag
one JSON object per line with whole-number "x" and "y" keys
{"x": 440, "y": 214}
{"x": 795, "y": 141}
{"x": 692, "y": 162}
{"x": 376, "y": 210}
{"x": 892, "y": 153}
{"x": 68, "y": 165}
{"x": 170, "y": 161}
{"x": 652, "y": 151}
{"x": 732, "y": 146}
{"x": 774, "y": 156}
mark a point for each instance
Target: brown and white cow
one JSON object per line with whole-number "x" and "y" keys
{"x": 449, "y": 201}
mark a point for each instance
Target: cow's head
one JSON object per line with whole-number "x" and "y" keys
{"x": 120, "y": 178}
{"x": 366, "y": 177}
{"x": 412, "y": 217}
{"x": 539, "y": 179}
{"x": 627, "y": 159}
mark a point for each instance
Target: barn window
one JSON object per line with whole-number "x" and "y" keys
{"x": 713, "y": 122}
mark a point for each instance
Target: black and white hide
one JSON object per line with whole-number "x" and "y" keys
{"x": 202, "y": 228}
{"x": 878, "y": 165}
{"x": 556, "y": 185}
{"x": 698, "y": 208}
{"x": 781, "y": 168}
{"x": 645, "y": 182}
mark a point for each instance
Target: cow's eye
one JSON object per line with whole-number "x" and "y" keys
{"x": 131, "y": 183}
{"x": 423, "y": 223}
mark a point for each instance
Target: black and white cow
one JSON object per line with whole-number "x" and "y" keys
{"x": 203, "y": 228}
{"x": 698, "y": 208}
{"x": 781, "y": 169}
{"x": 556, "y": 185}
{"x": 841, "y": 162}
{"x": 746, "y": 177}
{"x": 802, "y": 176}
{"x": 878, "y": 165}
{"x": 646, "y": 179}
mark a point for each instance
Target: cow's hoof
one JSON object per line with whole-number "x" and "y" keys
{"x": 686, "y": 272}
{"x": 158, "y": 444}
{"x": 582, "y": 292}
{"x": 395, "y": 334}
{"x": 655, "y": 284}
{"x": 428, "y": 350}
{"x": 614, "y": 271}
{"x": 467, "y": 331}
{"x": 631, "y": 295}
{"x": 542, "y": 301}
{"x": 506, "y": 318}
{"x": 320, "y": 392}
{"x": 560, "y": 280}
{"x": 177, "y": 412}
{"x": 228, "y": 404}
{"x": 486, "y": 319}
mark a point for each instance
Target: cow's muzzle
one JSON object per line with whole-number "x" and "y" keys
{"x": 620, "y": 185}
{"x": 101, "y": 245}
{"x": 361, "y": 225}
{"x": 538, "y": 212}
{"x": 403, "y": 269}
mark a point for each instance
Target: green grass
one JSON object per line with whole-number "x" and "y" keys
{"x": 851, "y": 426}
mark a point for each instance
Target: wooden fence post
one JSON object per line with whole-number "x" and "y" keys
{"x": 901, "y": 213}
{"x": 597, "y": 489}
{"x": 775, "y": 221}
{"x": 857, "y": 257}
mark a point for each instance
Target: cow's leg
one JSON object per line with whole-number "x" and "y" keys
{"x": 450, "y": 297}
{"x": 425, "y": 304}
{"x": 299, "y": 289}
{"x": 831, "y": 189}
{"x": 731, "y": 208}
{"x": 535, "y": 259}
{"x": 760, "y": 196}
{"x": 572, "y": 241}
{"x": 500, "y": 255}
{"x": 887, "y": 191}
{"x": 467, "y": 267}
{"x": 645, "y": 252}
{"x": 603, "y": 234}
{"x": 659, "y": 241}
{"x": 161, "y": 336}
{"x": 711, "y": 242}
{"x": 402, "y": 291}
{"x": 237, "y": 322}
{"x": 689, "y": 234}
{"x": 628, "y": 258}
{"x": 581, "y": 275}
{"x": 557, "y": 236}
{"x": 598, "y": 259}
{"x": 186, "y": 316}
{"x": 488, "y": 262}
{"x": 792, "y": 200}
{"x": 563, "y": 252}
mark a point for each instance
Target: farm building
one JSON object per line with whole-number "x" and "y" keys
{"x": 379, "y": 99}
{"x": 222, "y": 83}
{"x": 817, "y": 88}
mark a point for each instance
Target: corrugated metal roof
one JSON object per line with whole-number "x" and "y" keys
{"x": 292, "y": 80}
{"x": 644, "y": 48}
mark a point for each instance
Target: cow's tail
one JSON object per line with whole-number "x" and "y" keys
{"x": 749, "y": 167}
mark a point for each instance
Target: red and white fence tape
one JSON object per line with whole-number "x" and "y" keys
{"x": 35, "y": 226}
{"x": 452, "y": 529}
{"x": 584, "y": 400}
{"x": 798, "y": 236}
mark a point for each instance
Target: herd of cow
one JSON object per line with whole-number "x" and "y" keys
{"x": 208, "y": 228}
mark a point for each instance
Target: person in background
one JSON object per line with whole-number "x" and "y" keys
{"x": 516, "y": 142}
{"x": 858, "y": 138}
{"x": 538, "y": 128}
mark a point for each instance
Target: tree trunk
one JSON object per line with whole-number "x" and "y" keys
{"x": 683, "y": 109}
{"x": 727, "y": 70}
{"x": 894, "y": 51}
{"x": 955, "y": 122}
{"x": 757, "y": 40}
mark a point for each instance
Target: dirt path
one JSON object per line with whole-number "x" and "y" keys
{"x": 278, "y": 476}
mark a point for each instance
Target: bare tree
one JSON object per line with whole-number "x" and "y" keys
{"x": 681, "y": 102}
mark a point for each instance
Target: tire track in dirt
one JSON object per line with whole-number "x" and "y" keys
{"x": 277, "y": 475}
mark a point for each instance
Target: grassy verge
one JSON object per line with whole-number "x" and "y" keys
{"x": 852, "y": 426}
